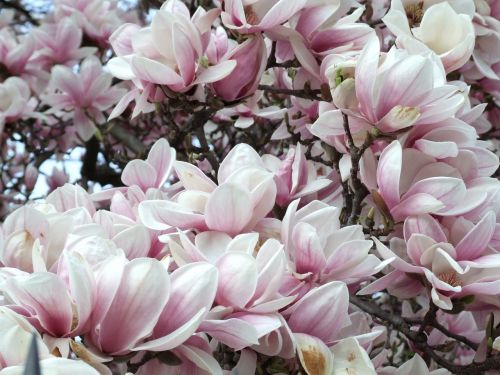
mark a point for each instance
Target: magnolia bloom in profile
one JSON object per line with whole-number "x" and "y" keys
{"x": 15, "y": 101}
{"x": 59, "y": 305}
{"x": 295, "y": 176}
{"x": 88, "y": 94}
{"x": 251, "y": 16}
{"x": 444, "y": 28}
{"x": 163, "y": 310}
{"x": 251, "y": 59}
{"x": 392, "y": 92}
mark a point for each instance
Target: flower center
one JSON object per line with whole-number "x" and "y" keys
{"x": 415, "y": 12}
{"x": 450, "y": 278}
{"x": 251, "y": 16}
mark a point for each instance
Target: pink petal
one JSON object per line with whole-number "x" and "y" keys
{"x": 229, "y": 209}
{"x": 161, "y": 157}
{"x": 389, "y": 173}
{"x": 138, "y": 172}
{"x": 161, "y": 215}
{"x": 237, "y": 279}
{"x": 153, "y": 71}
{"x": 475, "y": 243}
{"x": 322, "y": 312}
{"x": 193, "y": 289}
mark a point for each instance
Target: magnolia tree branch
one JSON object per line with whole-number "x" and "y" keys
{"x": 358, "y": 190}
{"x": 419, "y": 337}
{"x": 20, "y": 8}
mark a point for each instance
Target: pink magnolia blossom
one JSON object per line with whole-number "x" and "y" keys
{"x": 250, "y": 16}
{"x": 152, "y": 172}
{"x": 460, "y": 266}
{"x": 248, "y": 290}
{"x": 96, "y": 18}
{"x": 416, "y": 365}
{"x": 87, "y": 94}
{"x": 15, "y": 101}
{"x": 168, "y": 317}
{"x": 55, "y": 366}
{"x": 321, "y": 251}
{"x": 294, "y": 176}
{"x": 398, "y": 91}
{"x": 60, "y": 43}
{"x": 58, "y": 305}
{"x": 16, "y": 335}
{"x": 170, "y": 52}
{"x": 411, "y": 183}
{"x": 251, "y": 60}
{"x": 436, "y": 22}
{"x": 245, "y": 195}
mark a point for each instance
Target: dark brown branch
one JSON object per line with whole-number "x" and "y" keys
{"x": 18, "y": 7}
{"x": 419, "y": 339}
{"x": 310, "y": 94}
{"x": 359, "y": 191}
{"x": 128, "y": 139}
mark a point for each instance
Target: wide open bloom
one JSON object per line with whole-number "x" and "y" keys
{"x": 444, "y": 28}
{"x": 320, "y": 251}
{"x": 246, "y": 194}
{"x": 452, "y": 268}
{"x": 397, "y": 90}
{"x": 88, "y": 94}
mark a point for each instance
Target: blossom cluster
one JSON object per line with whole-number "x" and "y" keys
{"x": 265, "y": 186}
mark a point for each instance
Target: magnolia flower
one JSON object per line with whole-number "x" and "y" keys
{"x": 251, "y": 59}
{"x": 170, "y": 52}
{"x": 60, "y": 43}
{"x": 245, "y": 195}
{"x": 250, "y": 16}
{"x": 15, "y": 101}
{"x": 295, "y": 177}
{"x": 98, "y": 19}
{"x": 321, "y": 251}
{"x": 411, "y": 183}
{"x": 453, "y": 268}
{"x": 165, "y": 309}
{"x": 36, "y": 231}
{"x": 16, "y": 334}
{"x": 88, "y": 94}
{"x": 152, "y": 172}
{"x": 396, "y": 92}
{"x": 58, "y": 305}
{"x": 441, "y": 28}
{"x": 248, "y": 291}
{"x": 56, "y": 366}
